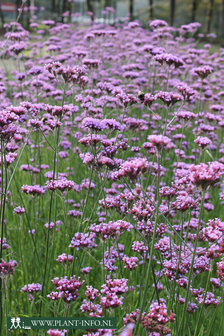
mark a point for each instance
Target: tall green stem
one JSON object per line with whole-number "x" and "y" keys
{"x": 183, "y": 320}
{"x": 152, "y": 243}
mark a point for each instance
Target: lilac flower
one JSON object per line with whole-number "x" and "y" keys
{"x": 139, "y": 247}
{"x": 169, "y": 98}
{"x": 186, "y": 115}
{"x": 130, "y": 263}
{"x": 86, "y": 270}
{"x": 161, "y": 141}
{"x": 56, "y": 332}
{"x": 7, "y": 268}
{"x": 91, "y": 293}
{"x": 63, "y": 258}
{"x": 204, "y": 175}
{"x": 61, "y": 185}
{"x": 33, "y": 190}
{"x": 4, "y": 244}
{"x": 215, "y": 282}
{"x": 169, "y": 59}
{"x": 111, "y": 229}
{"x": 157, "y": 318}
{"x": 68, "y": 288}
{"x": 131, "y": 169}
{"x": 203, "y": 71}
{"x": 158, "y": 23}
{"x": 95, "y": 124}
{"x": 19, "y": 210}
{"x": 81, "y": 240}
{"x": 202, "y": 141}
{"x": 31, "y": 288}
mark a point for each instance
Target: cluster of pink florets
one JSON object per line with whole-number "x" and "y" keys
{"x": 134, "y": 118}
{"x": 112, "y": 291}
{"x": 7, "y": 268}
{"x": 157, "y": 318}
{"x": 111, "y": 229}
{"x": 62, "y": 185}
{"x": 82, "y": 240}
{"x": 33, "y": 190}
{"x": 130, "y": 169}
{"x": 67, "y": 289}
{"x": 204, "y": 175}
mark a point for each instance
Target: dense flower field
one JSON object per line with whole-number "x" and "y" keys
{"x": 112, "y": 159}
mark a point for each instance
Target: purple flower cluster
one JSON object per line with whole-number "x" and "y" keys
{"x": 7, "y": 268}
{"x": 3, "y": 244}
{"x": 120, "y": 131}
{"x": 111, "y": 229}
{"x": 62, "y": 185}
{"x": 64, "y": 258}
{"x": 82, "y": 240}
{"x": 100, "y": 125}
{"x": 112, "y": 289}
{"x": 31, "y": 288}
{"x": 33, "y": 190}
{"x": 67, "y": 289}
{"x": 204, "y": 175}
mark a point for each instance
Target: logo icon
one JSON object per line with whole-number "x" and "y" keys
{"x": 15, "y": 323}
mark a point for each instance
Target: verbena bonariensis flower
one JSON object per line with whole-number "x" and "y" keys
{"x": 130, "y": 262}
{"x": 102, "y": 81}
{"x": 130, "y": 169}
{"x": 76, "y": 74}
{"x": 203, "y": 71}
{"x": 128, "y": 330}
{"x": 215, "y": 282}
{"x": 64, "y": 258}
{"x": 161, "y": 141}
{"x": 158, "y": 24}
{"x": 52, "y": 225}
{"x": 157, "y": 318}
{"x": 220, "y": 269}
{"x": 82, "y": 240}
{"x": 169, "y": 98}
{"x": 110, "y": 258}
{"x": 185, "y": 115}
{"x": 202, "y": 141}
{"x": 33, "y": 287}
{"x": 214, "y": 230}
{"x": 139, "y": 246}
{"x": 68, "y": 288}
{"x": 148, "y": 99}
{"x": 91, "y": 63}
{"x": 94, "y": 124}
{"x": 56, "y": 332}
{"x": 33, "y": 190}
{"x": 112, "y": 289}
{"x": 86, "y": 270}
{"x": 62, "y": 185}
{"x": 99, "y": 125}
{"x": 7, "y": 268}
{"x": 206, "y": 174}
{"x": 117, "y": 286}
{"x": 91, "y": 293}
{"x": 94, "y": 310}
{"x": 111, "y": 229}
{"x": 7, "y": 126}
{"x": 19, "y": 210}
{"x": 207, "y": 298}
{"x": 4, "y": 244}
{"x": 75, "y": 213}
{"x": 169, "y": 59}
